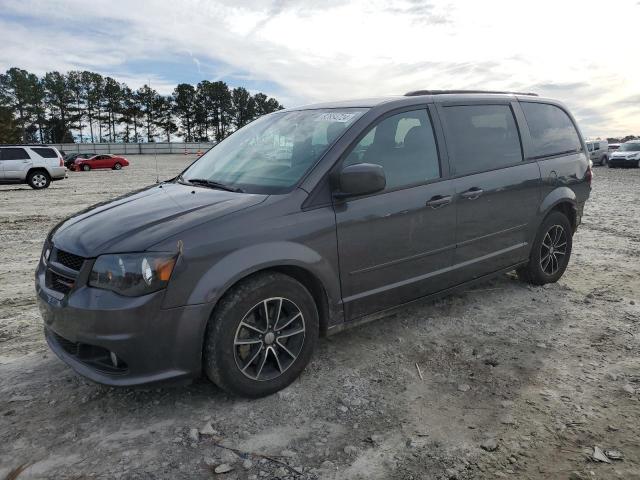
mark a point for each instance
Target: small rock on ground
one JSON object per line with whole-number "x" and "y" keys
{"x": 490, "y": 445}
{"x": 224, "y": 468}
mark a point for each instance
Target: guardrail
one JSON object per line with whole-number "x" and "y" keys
{"x": 135, "y": 148}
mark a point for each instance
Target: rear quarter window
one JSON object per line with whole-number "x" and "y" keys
{"x": 552, "y": 131}
{"x": 481, "y": 137}
{"x": 46, "y": 152}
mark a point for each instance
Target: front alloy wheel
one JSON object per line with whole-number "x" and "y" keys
{"x": 261, "y": 335}
{"x": 269, "y": 339}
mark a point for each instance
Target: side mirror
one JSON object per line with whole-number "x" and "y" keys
{"x": 360, "y": 179}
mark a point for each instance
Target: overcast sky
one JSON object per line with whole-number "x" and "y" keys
{"x": 585, "y": 53}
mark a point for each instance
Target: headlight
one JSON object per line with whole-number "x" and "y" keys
{"x": 46, "y": 254}
{"x": 133, "y": 274}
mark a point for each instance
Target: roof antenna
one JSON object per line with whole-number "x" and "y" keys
{"x": 155, "y": 149}
{"x": 155, "y": 152}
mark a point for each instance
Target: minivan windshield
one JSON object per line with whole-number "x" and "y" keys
{"x": 271, "y": 154}
{"x": 629, "y": 147}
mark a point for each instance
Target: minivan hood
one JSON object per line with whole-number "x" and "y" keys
{"x": 140, "y": 219}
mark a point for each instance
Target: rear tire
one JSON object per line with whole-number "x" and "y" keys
{"x": 86, "y": 167}
{"x": 550, "y": 252}
{"x": 38, "y": 179}
{"x": 251, "y": 347}
{"x": 603, "y": 160}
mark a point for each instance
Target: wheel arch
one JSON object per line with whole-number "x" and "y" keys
{"x": 562, "y": 199}
{"x": 569, "y": 210}
{"x": 307, "y": 278}
{"x": 37, "y": 169}
{"x": 298, "y": 261}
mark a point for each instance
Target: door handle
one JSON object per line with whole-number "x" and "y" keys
{"x": 472, "y": 193}
{"x": 439, "y": 201}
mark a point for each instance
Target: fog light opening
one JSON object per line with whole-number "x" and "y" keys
{"x": 114, "y": 359}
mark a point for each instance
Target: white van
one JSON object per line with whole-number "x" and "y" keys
{"x": 36, "y": 165}
{"x": 598, "y": 151}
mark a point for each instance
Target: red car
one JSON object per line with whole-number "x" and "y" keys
{"x": 100, "y": 161}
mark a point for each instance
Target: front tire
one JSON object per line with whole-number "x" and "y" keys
{"x": 261, "y": 335}
{"x": 38, "y": 179}
{"x": 550, "y": 252}
{"x": 117, "y": 166}
{"x": 86, "y": 167}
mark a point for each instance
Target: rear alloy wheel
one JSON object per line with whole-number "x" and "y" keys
{"x": 554, "y": 249}
{"x": 38, "y": 179}
{"x": 550, "y": 252}
{"x": 261, "y": 336}
{"x": 117, "y": 166}
{"x": 86, "y": 167}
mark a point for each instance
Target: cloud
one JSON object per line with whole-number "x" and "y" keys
{"x": 632, "y": 101}
{"x": 322, "y": 50}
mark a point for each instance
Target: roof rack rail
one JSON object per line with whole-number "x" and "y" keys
{"x": 443, "y": 92}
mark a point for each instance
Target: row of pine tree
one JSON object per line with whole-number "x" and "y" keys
{"x": 88, "y": 107}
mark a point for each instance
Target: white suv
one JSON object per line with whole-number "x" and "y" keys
{"x": 36, "y": 165}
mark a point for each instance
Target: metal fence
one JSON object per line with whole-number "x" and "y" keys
{"x": 135, "y": 148}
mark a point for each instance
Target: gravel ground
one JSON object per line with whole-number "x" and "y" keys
{"x": 517, "y": 381}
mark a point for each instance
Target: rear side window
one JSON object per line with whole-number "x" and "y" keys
{"x": 552, "y": 131}
{"x": 404, "y": 145}
{"x": 481, "y": 137}
{"x": 46, "y": 152}
{"x": 14, "y": 154}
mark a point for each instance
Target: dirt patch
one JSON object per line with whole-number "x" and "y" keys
{"x": 517, "y": 381}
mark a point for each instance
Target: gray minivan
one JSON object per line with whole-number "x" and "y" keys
{"x": 307, "y": 221}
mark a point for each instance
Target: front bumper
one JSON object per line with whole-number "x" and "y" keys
{"x": 151, "y": 344}
{"x": 623, "y": 162}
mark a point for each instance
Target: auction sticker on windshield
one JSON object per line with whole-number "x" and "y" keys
{"x": 336, "y": 116}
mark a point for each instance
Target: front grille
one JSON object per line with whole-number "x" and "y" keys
{"x": 58, "y": 282}
{"x": 69, "y": 260}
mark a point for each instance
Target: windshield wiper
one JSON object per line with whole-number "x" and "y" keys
{"x": 213, "y": 184}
